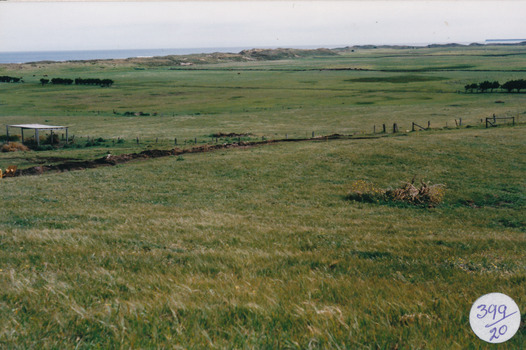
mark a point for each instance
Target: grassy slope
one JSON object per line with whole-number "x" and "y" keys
{"x": 259, "y": 247}
{"x": 220, "y": 249}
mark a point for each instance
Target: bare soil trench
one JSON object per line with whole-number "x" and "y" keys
{"x": 111, "y": 160}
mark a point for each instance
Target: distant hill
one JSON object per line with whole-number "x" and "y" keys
{"x": 280, "y": 54}
{"x": 430, "y": 46}
{"x": 216, "y": 57}
{"x": 395, "y": 47}
{"x": 255, "y": 55}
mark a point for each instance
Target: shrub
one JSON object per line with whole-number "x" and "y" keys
{"x": 364, "y": 191}
{"x": 92, "y": 143}
{"x": 4, "y": 138}
{"x": 43, "y": 140}
{"x": 52, "y": 139}
{"x": 44, "y": 148}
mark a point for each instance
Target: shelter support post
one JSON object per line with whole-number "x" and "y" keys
{"x": 22, "y": 131}
{"x": 37, "y": 138}
{"x": 67, "y": 139}
{"x": 7, "y": 132}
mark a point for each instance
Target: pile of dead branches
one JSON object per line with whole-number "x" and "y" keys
{"x": 427, "y": 194}
{"x": 424, "y": 195}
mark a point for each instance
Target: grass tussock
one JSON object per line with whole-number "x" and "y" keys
{"x": 426, "y": 194}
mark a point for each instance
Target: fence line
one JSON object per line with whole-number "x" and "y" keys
{"x": 94, "y": 141}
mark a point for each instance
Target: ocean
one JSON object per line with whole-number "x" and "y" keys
{"x": 59, "y": 56}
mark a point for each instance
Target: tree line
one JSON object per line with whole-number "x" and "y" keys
{"x": 8, "y": 79}
{"x": 78, "y": 81}
{"x": 509, "y": 86}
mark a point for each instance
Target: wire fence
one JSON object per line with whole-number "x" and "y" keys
{"x": 81, "y": 141}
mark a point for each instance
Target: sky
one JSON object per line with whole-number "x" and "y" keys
{"x": 53, "y": 26}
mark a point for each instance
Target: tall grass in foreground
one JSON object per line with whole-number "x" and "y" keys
{"x": 259, "y": 248}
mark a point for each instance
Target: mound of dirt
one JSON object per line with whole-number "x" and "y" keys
{"x": 232, "y": 134}
{"x": 110, "y": 160}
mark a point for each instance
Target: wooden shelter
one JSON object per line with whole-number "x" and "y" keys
{"x": 37, "y": 128}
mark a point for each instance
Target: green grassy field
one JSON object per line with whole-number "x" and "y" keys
{"x": 261, "y": 247}
{"x": 268, "y": 97}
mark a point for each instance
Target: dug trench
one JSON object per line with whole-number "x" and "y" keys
{"x": 111, "y": 160}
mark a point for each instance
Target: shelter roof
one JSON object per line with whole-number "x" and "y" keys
{"x": 37, "y": 126}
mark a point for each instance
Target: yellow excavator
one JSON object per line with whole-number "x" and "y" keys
{"x": 9, "y": 172}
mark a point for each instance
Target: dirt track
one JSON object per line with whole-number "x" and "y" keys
{"x": 111, "y": 160}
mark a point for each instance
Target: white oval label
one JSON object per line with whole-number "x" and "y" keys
{"x": 495, "y": 317}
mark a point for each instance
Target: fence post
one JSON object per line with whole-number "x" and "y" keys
{"x": 383, "y": 126}
{"x": 374, "y": 129}
{"x": 137, "y": 139}
{"x": 313, "y": 134}
{"x": 395, "y": 128}
{"x": 175, "y": 141}
{"x": 429, "y": 124}
{"x": 459, "y": 121}
{"x": 413, "y": 126}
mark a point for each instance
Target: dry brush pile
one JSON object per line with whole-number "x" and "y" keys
{"x": 426, "y": 194}
{"x": 13, "y": 147}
